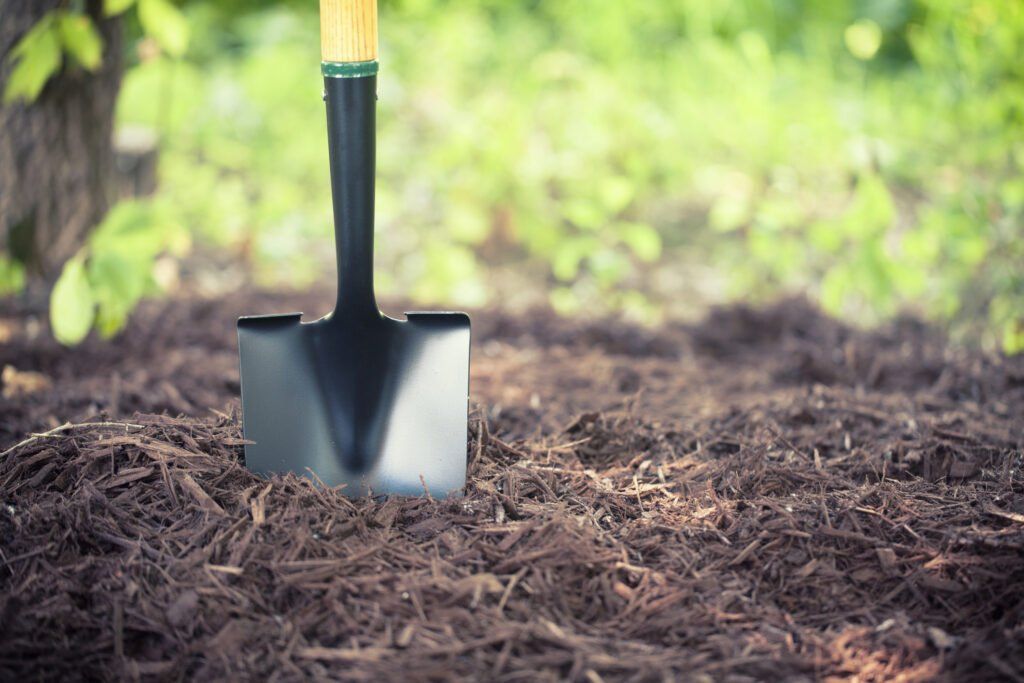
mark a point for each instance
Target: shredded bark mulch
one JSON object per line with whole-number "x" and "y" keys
{"x": 768, "y": 495}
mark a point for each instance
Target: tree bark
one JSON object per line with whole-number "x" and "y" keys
{"x": 56, "y": 154}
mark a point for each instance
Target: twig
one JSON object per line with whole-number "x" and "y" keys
{"x": 66, "y": 427}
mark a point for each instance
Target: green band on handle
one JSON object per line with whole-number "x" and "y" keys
{"x": 349, "y": 69}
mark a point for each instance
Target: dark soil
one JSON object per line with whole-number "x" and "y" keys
{"x": 766, "y": 495}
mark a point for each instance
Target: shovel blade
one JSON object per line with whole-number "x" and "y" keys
{"x": 375, "y": 404}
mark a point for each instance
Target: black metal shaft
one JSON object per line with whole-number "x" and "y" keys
{"x": 351, "y": 134}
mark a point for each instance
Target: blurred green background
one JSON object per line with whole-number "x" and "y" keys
{"x": 636, "y": 158}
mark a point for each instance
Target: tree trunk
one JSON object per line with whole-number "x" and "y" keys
{"x": 56, "y": 154}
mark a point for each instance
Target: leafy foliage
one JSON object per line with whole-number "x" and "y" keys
{"x": 162, "y": 20}
{"x": 79, "y": 38}
{"x": 36, "y": 57}
{"x": 621, "y": 156}
{"x": 102, "y": 284}
{"x": 39, "y": 53}
{"x": 12, "y": 276}
{"x": 72, "y": 304}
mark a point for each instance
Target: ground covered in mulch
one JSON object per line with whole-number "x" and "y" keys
{"x": 768, "y": 494}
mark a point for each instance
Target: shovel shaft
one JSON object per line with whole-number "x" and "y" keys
{"x": 348, "y": 30}
{"x": 348, "y": 38}
{"x": 351, "y": 132}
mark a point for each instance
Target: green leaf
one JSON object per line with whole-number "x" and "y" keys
{"x": 643, "y": 240}
{"x": 1011, "y": 192}
{"x": 826, "y": 236}
{"x": 863, "y": 38}
{"x": 564, "y": 301}
{"x": 872, "y": 210}
{"x": 112, "y": 8}
{"x": 729, "y": 213}
{"x": 467, "y": 222}
{"x": 1013, "y": 337}
{"x": 835, "y": 288}
{"x": 38, "y": 58}
{"x": 585, "y": 214}
{"x": 118, "y": 282}
{"x": 135, "y": 229}
{"x": 616, "y": 193}
{"x": 451, "y": 274}
{"x": 72, "y": 304}
{"x": 12, "y": 276}
{"x": 565, "y": 261}
{"x": 128, "y": 219}
{"x": 80, "y": 39}
{"x": 116, "y": 277}
{"x": 166, "y": 24}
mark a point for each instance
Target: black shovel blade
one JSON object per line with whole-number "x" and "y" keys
{"x": 376, "y": 404}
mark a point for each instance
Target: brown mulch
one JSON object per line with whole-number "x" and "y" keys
{"x": 768, "y": 495}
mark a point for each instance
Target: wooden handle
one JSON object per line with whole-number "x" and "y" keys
{"x": 348, "y": 30}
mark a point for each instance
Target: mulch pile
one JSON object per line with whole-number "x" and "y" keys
{"x": 767, "y": 495}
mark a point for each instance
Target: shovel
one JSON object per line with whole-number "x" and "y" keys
{"x": 356, "y": 398}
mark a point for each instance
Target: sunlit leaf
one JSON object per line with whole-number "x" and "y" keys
{"x": 921, "y": 246}
{"x": 911, "y": 282}
{"x": 642, "y": 239}
{"x": 565, "y": 261}
{"x": 637, "y": 306}
{"x": 467, "y": 223}
{"x": 616, "y": 193}
{"x": 863, "y": 38}
{"x": 564, "y": 301}
{"x": 728, "y": 213}
{"x": 72, "y": 304}
{"x": 826, "y": 236}
{"x": 1013, "y": 337}
{"x": 835, "y": 287}
{"x": 166, "y": 24}
{"x": 755, "y": 49}
{"x": 585, "y": 214}
{"x": 12, "y": 276}
{"x": 80, "y": 39}
{"x": 451, "y": 274}
{"x": 118, "y": 278}
{"x": 114, "y": 7}
{"x": 140, "y": 100}
{"x": 139, "y": 229}
{"x": 872, "y": 210}
{"x": 1011, "y": 192}
{"x": 111, "y": 317}
{"x": 38, "y": 57}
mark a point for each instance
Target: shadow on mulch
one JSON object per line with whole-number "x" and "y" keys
{"x": 767, "y": 495}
